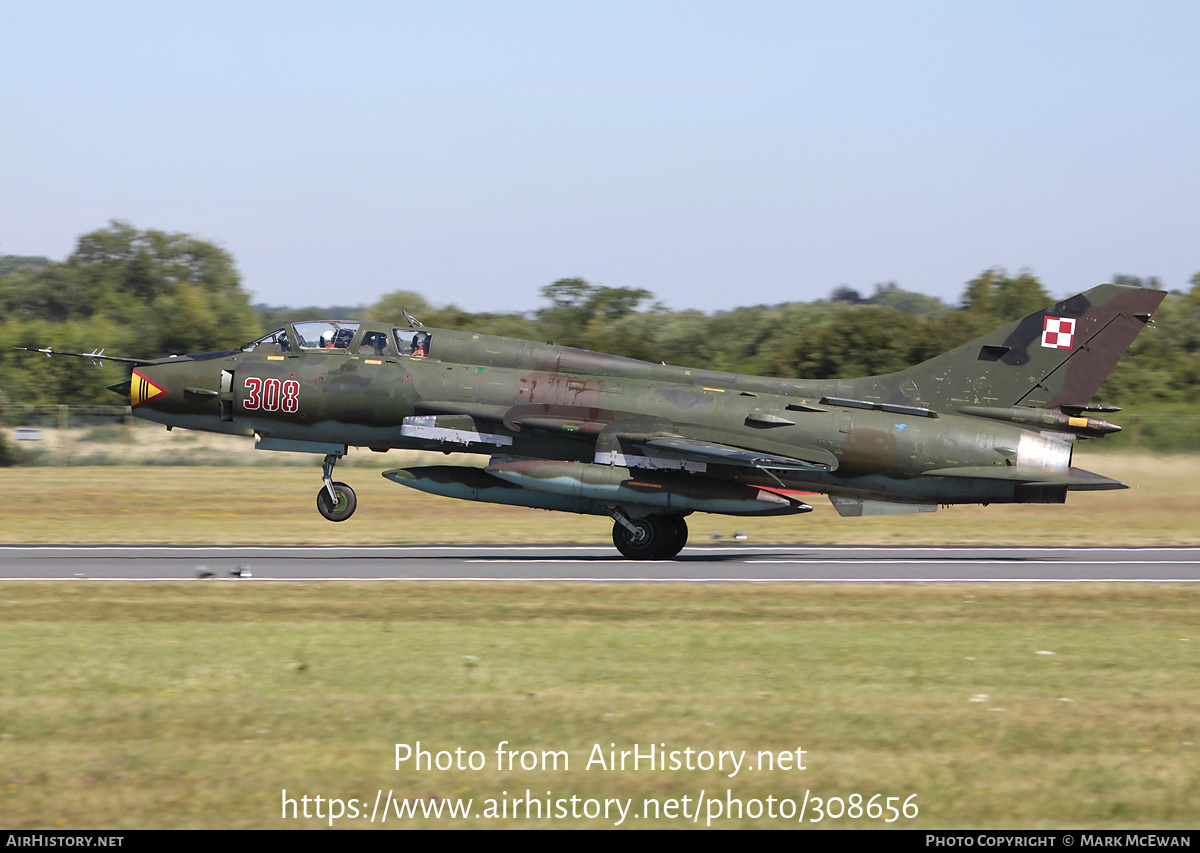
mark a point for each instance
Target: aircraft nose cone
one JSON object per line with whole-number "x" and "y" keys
{"x": 142, "y": 389}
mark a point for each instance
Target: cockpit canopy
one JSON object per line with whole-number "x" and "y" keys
{"x": 344, "y": 335}
{"x": 325, "y": 334}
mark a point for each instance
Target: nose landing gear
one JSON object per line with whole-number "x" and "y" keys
{"x": 335, "y": 501}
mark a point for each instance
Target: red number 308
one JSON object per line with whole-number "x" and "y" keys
{"x": 271, "y": 395}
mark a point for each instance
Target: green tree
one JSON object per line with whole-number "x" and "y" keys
{"x": 174, "y": 292}
{"x": 390, "y": 308}
{"x": 575, "y": 303}
{"x": 52, "y": 293}
{"x": 12, "y": 263}
{"x": 846, "y": 294}
{"x": 136, "y": 293}
{"x": 891, "y": 295}
{"x": 1152, "y": 282}
{"x": 151, "y": 263}
{"x": 859, "y": 341}
{"x": 998, "y": 298}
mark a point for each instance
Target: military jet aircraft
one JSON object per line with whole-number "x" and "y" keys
{"x": 992, "y": 421}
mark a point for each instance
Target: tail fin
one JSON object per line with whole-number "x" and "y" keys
{"x": 1056, "y": 357}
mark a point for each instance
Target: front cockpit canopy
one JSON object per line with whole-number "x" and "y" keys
{"x": 277, "y": 341}
{"x": 325, "y": 334}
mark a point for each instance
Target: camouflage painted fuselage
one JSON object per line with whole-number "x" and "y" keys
{"x": 991, "y": 421}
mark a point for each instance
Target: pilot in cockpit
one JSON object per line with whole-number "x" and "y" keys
{"x": 339, "y": 339}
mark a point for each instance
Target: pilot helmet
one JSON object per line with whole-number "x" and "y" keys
{"x": 327, "y": 338}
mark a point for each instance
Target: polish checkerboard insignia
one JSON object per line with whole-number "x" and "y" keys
{"x": 1058, "y": 332}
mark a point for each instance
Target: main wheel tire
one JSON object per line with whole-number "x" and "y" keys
{"x": 345, "y": 506}
{"x": 658, "y": 537}
{"x": 634, "y": 545}
{"x": 681, "y": 536}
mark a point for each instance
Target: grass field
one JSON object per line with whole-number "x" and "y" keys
{"x": 197, "y": 704}
{"x": 276, "y": 504}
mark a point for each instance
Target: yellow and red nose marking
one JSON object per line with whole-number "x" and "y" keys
{"x": 143, "y": 390}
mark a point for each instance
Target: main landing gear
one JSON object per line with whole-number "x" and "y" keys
{"x": 335, "y": 501}
{"x": 654, "y": 537}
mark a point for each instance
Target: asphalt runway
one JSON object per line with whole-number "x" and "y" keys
{"x": 593, "y": 563}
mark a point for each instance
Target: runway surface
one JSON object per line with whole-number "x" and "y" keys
{"x": 705, "y": 563}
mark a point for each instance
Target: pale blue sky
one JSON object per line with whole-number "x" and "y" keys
{"x": 717, "y": 154}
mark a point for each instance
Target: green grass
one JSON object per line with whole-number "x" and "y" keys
{"x": 196, "y": 704}
{"x": 276, "y": 505}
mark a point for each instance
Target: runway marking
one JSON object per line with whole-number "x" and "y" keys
{"x": 620, "y": 580}
{"x": 880, "y": 562}
{"x": 892, "y": 562}
{"x": 724, "y": 563}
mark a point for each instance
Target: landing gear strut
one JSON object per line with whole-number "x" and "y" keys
{"x": 335, "y": 501}
{"x": 655, "y": 537}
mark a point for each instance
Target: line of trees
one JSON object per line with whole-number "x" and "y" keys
{"x": 842, "y": 336}
{"x": 151, "y": 293}
{"x": 138, "y": 293}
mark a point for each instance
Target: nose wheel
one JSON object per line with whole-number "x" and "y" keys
{"x": 335, "y": 501}
{"x": 341, "y": 506}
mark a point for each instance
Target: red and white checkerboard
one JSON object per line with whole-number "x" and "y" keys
{"x": 1058, "y": 332}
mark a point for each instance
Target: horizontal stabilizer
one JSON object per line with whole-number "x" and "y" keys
{"x": 1075, "y": 479}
